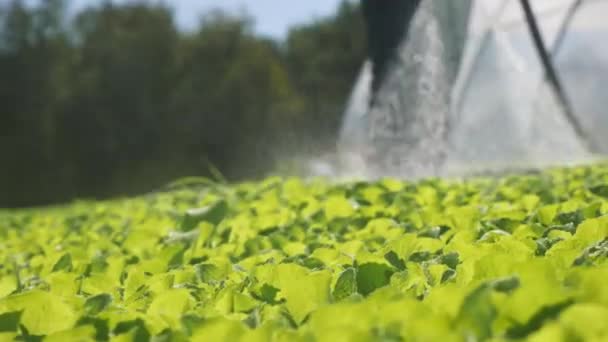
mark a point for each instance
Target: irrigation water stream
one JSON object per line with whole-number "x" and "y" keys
{"x": 467, "y": 92}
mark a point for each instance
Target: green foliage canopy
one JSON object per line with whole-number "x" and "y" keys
{"x": 521, "y": 257}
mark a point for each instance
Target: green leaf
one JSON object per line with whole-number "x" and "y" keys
{"x": 448, "y": 275}
{"x": 574, "y": 218}
{"x": 166, "y": 335}
{"x": 592, "y": 210}
{"x": 477, "y": 314}
{"x": 63, "y": 264}
{"x": 394, "y": 260}
{"x": 346, "y": 285}
{"x": 593, "y": 253}
{"x": 545, "y": 244}
{"x": 219, "y": 329}
{"x": 600, "y": 190}
{"x": 420, "y": 257}
{"x": 506, "y": 285}
{"x": 372, "y": 276}
{"x": 43, "y": 312}
{"x": 338, "y": 207}
{"x": 190, "y": 322}
{"x": 585, "y": 322}
{"x": 212, "y": 214}
{"x": 101, "y": 326}
{"x": 243, "y": 302}
{"x": 451, "y": 260}
{"x": 435, "y": 232}
{"x": 303, "y": 290}
{"x": 209, "y": 273}
{"x": 81, "y": 333}
{"x": 27, "y": 337}
{"x": 9, "y": 321}
{"x": 267, "y": 294}
{"x": 170, "y": 306}
{"x": 177, "y": 259}
{"x": 96, "y": 304}
{"x": 536, "y": 322}
{"x": 568, "y": 227}
{"x": 136, "y": 329}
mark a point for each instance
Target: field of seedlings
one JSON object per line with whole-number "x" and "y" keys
{"x": 520, "y": 257}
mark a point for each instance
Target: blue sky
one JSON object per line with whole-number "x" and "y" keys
{"x": 273, "y": 17}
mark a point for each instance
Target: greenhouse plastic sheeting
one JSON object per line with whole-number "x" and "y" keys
{"x": 468, "y": 90}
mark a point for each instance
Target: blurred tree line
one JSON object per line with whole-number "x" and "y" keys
{"x": 116, "y": 100}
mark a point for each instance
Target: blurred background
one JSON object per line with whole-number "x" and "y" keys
{"x": 103, "y": 98}
{"x": 110, "y": 98}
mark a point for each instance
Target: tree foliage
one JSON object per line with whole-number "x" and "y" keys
{"x": 116, "y": 99}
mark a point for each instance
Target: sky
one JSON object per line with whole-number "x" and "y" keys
{"x": 273, "y": 17}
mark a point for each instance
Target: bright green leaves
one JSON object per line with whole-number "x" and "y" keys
{"x": 338, "y": 207}
{"x": 101, "y": 326}
{"x": 545, "y": 314}
{"x": 411, "y": 246}
{"x": 586, "y": 321}
{"x": 589, "y": 284}
{"x": 81, "y": 333}
{"x": 230, "y": 300}
{"x": 210, "y": 273}
{"x": 168, "y": 307}
{"x": 394, "y": 260}
{"x": 434, "y": 232}
{"x": 477, "y": 314}
{"x": 43, "y": 313}
{"x": 96, "y": 304}
{"x": 219, "y": 329}
{"x": 9, "y": 325}
{"x": 303, "y": 290}
{"x": 63, "y": 264}
{"x": 9, "y": 321}
{"x": 518, "y": 257}
{"x": 579, "y": 322}
{"x": 372, "y": 276}
{"x": 133, "y": 330}
{"x": 267, "y": 294}
{"x": 213, "y": 214}
{"x": 547, "y": 213}
{"x": 595, "y": 253}
{"x": 346, "y": 285}
{"x": 586, "y": 246}
{"x": 593, "y": 230}
{"x": 451, "y": 260}
{"x": 600, "y": 190}
{"x": 506, "y": 285}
